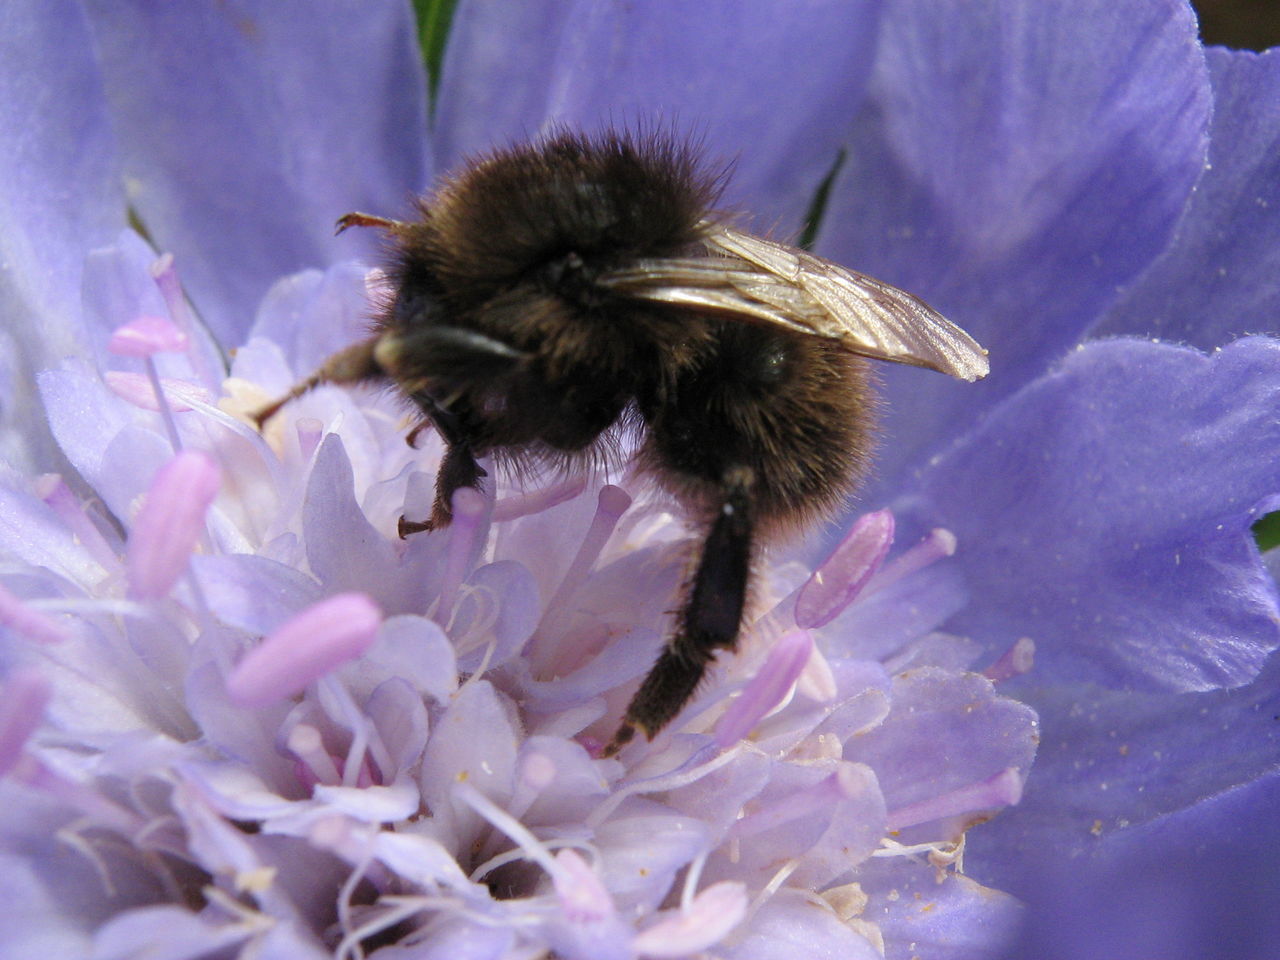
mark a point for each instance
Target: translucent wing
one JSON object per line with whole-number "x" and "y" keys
{"x": 768, "y": 282}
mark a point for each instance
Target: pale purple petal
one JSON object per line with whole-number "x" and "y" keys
{"x": 962, "y": 730}
{"x": 641, "y": 855}
{"x": 26, "y": 621}
{"x": 56, "y": 141}
{"x": 311, "y": 116}
{"x": 343, "y": 549}
{"x": 791, "y": 925}
{"x": 165, "y": 933}
{"x": 418, "y": 651}
{"x": 252, "y": 592}
{"x": 475, "y": 743}
{"x": 787, "y": 657}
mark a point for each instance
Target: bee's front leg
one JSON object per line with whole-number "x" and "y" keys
{"x": 458, "y": 467}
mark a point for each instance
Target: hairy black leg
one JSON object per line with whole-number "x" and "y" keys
{"x": 458, "y": 468}
{"x": 709, "y": 621}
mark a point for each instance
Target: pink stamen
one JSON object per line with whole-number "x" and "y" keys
{"x": 27, "y": 622}
{"x": 611, "y": 503}
{"x": 36, "y": 774}
{"x": 522, "y": 505}
{"x": 310, "y": 431}
{"x": 312, "y": 643}
{"x": 938, "y": 543}
{"x": 843, "y": 575}
{"x": 170, "y": 523}
{"x": 166, "y": 278}
{"x": 317, "y": 766}
{"x": 1014, "y": 662}
{"x": 468, "y": 511}
{"x": 583, "y": 896}
{"x": 709, "y": 919}
{"x": 146, "y": 336}
{"x": 52, "y": 490}
{"x": 767, "y": 688}
{"x": 1002, "y": 790}
{"x": 26, "y": 694}
{"x": 537, "y": 772}
{"x": 179, "y": 395}
{"x": 815, "y": 800}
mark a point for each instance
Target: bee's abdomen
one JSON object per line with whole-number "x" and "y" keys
{"x": 795, "y": 410}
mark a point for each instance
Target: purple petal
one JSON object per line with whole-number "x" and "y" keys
{"x": 1123, "y": 547}
{"x": 1153, "y": 891}
{"x": 1218, "y": 279}
{"x": 1158, "y": 764}
{"x": 1016, "y": 164}
{"x": 724, "y": 71}
{"x": 246, "y": 132}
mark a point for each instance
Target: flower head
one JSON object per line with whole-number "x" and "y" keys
{"x": 241, "y": 717}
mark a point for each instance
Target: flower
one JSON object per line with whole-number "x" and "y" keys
{"x": 1038, "y": 173}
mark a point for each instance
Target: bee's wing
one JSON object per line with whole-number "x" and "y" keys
{"x": 761, "y": 280}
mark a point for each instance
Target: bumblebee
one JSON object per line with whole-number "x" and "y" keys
{"x": 549, "y": 293}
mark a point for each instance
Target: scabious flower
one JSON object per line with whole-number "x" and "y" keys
{"x": 240, "y": 718}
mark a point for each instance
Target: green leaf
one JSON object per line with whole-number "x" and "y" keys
{"x": 434, "y": 18}
{"x": 818, "y": 207}
{"x": 1266, "y": 531}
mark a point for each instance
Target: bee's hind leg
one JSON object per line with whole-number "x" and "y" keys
{"x": 709, "y": 621}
